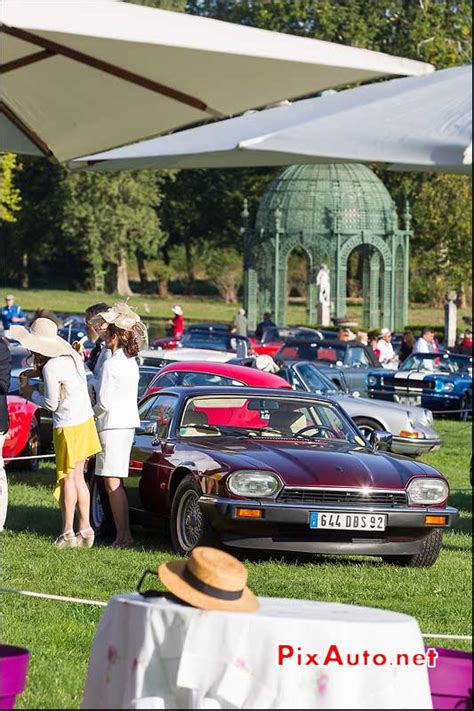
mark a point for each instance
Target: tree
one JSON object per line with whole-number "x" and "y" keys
{"x": 109, "y": 217}
{"x": 10, "y": 200}
{"x": 224, "y": 269}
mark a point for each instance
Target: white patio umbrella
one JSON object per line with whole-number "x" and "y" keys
{"x": 419, "y": 123}
{"x": 81, "y": 76}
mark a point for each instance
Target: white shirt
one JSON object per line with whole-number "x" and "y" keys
{"x": 117, "y": 395}
{"x": 65, "y": 391}
{"x": 387, "y": 354}
{"x": 422, "y": 346}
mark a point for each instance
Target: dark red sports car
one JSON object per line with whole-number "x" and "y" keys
{"x": 280, "y": 470}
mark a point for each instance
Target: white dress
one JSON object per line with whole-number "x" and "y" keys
{"x": 117, "y": 414}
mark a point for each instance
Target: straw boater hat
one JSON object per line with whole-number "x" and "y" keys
{"x": 43, "y": 338}
{"x": 125, "y": 318}
{"x": 211, "y": 580}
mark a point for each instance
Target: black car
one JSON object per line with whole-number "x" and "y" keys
{"x": 352, "y": 359}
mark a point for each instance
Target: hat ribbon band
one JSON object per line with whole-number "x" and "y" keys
{"x": 210, "y": 590}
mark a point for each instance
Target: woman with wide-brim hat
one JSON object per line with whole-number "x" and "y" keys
{"x": 74, "y": 433}
{"x": 117, "y": 408}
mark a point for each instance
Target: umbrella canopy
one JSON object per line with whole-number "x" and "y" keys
{"x": 81, "y": 76}
{"x": 419, "y": 123}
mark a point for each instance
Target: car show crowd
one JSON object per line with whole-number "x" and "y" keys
{"x": 97, "y": 381}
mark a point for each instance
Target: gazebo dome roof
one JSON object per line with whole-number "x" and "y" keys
{"x": 321, "y": 199}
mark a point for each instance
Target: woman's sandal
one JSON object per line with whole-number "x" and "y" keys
{"x": 66, "y": 540}
{"x": 85, "y": 538}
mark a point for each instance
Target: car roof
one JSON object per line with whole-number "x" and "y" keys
{"x": 211, "y": 324}
{"x": 249, "y": 376}
{"x": 325, "y": 343}
{"x": 233, "y": 391}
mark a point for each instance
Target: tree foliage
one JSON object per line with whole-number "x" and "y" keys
{"x": 10, "y": 200}
{"x": 71, "y": 225}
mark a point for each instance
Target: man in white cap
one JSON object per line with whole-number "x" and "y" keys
{"x": 387, "y": 355}
{"x": 12, "y": 314}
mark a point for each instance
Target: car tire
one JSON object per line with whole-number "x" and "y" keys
{"x": 425, "y": 558}
{"x": 32, "y": 448}
{"x": 367, "y": 426}
{"x": 189, "y": 526}
{"x": 101, "y": 517}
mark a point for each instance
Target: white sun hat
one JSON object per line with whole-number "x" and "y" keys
{"x": 177, "y": 310}
{"x": 42, "y": 338}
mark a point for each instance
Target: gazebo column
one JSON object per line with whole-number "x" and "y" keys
{"x": 366, "y": 288}
{"x": 341, "y": 281}
{"x": 374, "y": 291}
{"x": 387, "y": 316}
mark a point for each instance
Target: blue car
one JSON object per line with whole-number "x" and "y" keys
{"x": 441, "y": 382}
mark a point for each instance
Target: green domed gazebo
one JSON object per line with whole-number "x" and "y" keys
{"x": 329, "y": 211}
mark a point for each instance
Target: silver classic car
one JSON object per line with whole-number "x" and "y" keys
{"x": 411, "y": 427}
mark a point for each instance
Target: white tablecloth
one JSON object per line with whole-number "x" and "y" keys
{"x": 158, "y": 654}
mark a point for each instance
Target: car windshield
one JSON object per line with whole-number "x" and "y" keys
{"x": 434, "y": 363}
{"x": 315, "y": 380}
{"x": 212, "y": 340}
{"x": 273, "y": 416}
{"x": 313, "y": 351}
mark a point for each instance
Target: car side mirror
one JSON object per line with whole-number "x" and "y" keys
{"x": 380, "y": 440}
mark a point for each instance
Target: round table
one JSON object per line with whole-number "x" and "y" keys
{"x": 153, "y": 653}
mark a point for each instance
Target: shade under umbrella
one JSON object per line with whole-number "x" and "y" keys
{"x": 79, "y": 77}
{"x": 419, "y": 123}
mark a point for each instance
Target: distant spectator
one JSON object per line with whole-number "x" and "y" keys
{"x": 12, "y": 314}
{"x": 464, "y": 347}
{"x": 362, "y": 337}
{"x": 374, "y": 344}
{"x": 407, "y": 344}
{"x": 240, "y": 325}
{"x": 46, "y": 313}
{"x": 263, "y": 325}
{"x": 387, "y": 355}
{"x": 426, "y": 342}
{"x": 177, "y": 322}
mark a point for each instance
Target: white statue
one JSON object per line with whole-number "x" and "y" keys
{"x": 324, "y": 283}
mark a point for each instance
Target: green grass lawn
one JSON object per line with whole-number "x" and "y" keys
{"x": 201, "y": 308}
{"x": 60, "y": 635}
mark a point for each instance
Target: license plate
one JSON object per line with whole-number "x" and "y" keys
{"x": 409, "y": 399}
{"x": 348, "y": 521}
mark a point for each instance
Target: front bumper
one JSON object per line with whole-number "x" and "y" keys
{"x": 414, "y": 445}
{"x": 285, "y": 527}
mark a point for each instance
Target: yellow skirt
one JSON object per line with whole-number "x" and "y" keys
{"x": 73, "y": 444}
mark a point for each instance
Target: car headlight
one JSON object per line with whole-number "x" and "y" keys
{"x": 253, "y": 482}
{"x": 371, "y": 380}
{"x": 411, "y": 420}
{"x": 428, "y": 416}
{"x": 427, "y": 491}
{"x": 441, "y": 387}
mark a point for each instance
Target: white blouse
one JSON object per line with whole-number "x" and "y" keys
{"x": 65, "y": 391}
{"x": 117, "y": 406}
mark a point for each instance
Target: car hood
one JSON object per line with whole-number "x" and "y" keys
{"x": 316, "y": 464}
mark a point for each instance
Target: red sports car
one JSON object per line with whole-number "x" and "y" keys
{"x": 190, "y": 374}
{"x": 23, "y": 438}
